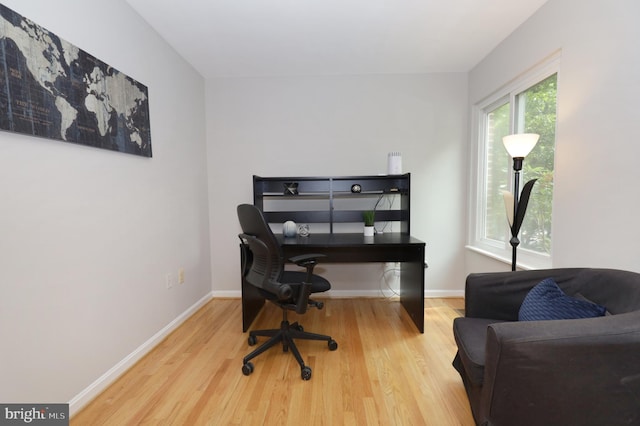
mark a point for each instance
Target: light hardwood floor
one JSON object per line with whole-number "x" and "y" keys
{"x": 383, "y": 373}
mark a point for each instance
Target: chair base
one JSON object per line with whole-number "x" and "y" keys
{"x": 285, "y": 335}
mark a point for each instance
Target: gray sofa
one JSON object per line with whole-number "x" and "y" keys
{"x": 552, "y": 372}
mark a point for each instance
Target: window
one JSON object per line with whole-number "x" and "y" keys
{"x": 528, "y": 105}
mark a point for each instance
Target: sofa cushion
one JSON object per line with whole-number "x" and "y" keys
{"x": 579, "y": 296}
{"x": 547, "y": 301}
{"x": 471, "y": 336}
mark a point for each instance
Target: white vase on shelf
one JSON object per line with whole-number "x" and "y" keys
{"x": 289, "y": 229}
{"x": 369, "y": 231}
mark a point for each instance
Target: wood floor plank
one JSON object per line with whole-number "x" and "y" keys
{"x": 383, "y": 373}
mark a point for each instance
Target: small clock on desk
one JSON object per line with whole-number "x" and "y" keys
{"x": 356, "y": 188}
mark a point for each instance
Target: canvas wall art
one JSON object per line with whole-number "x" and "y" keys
{"x": 52, "y": 89}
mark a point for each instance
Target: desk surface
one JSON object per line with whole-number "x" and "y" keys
{"x": 349, "y": 239}
{"x": 343, "y": 247}
{"x": 387, "y": 247}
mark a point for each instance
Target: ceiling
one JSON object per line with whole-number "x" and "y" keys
{"x": 222, "y": 38}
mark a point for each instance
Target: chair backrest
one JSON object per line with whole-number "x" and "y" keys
{"x": 265, "y": 261}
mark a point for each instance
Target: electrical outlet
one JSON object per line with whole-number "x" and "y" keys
{"x": 169, "y": 281}
{"x": 181, "y": 275}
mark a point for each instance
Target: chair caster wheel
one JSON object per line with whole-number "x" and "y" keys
{"x": 306, "y": 373}
{"x": 333, "y": 345}
{"x": 252, "y": 340}
{"x": 247, "y": 368}
{"x": 299, "y": 327}
{"x": 320, "y": 305}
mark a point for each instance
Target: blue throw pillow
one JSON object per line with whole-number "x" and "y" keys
{"x": 547, "y": 301}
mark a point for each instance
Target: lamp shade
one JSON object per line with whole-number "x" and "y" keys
{"x": 520, "y": 145}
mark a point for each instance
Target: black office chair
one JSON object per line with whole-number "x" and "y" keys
{"x": 263, "y": 267}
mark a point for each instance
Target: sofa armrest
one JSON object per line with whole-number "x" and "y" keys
{"x": 498, "y": 295}
{"x": 569, "y": 372}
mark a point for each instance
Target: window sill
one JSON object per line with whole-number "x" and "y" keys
{"x": 525, "y": 266}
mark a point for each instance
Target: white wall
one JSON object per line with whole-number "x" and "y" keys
{"x": 595, "y": 199}
{"x": 342, "y": 125}
{"x": 88, "y": 234}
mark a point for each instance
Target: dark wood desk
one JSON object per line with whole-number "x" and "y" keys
{"x": 356, "y": 248}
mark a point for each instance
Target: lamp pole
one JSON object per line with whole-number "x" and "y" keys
{"x": 514, "y": 241}
{"x": 518, "y": 146}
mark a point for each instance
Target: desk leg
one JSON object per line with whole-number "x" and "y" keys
{"x": 252, "y": 302}
{"x": 412, "y": 290}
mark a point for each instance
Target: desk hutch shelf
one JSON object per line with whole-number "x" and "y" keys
{"x": 334, "y": 204}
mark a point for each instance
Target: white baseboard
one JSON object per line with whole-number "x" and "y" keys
{"x": 341, "y": 294}
{"x": 443, "y": 293}
{"x": 337, "y": 294}
{"x": 226, "y": 294}
{"x": 95, "y": 388}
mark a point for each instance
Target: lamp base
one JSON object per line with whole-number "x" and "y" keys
{"x": 514, "y": 241}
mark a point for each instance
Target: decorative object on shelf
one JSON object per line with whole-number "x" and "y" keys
{"x": 290, "y": 188}
{"x": 518, "y": 146}
{"x": 289, "y": 229}
{"x": 52, "y": 89}
{"x": 369, "y": 217}
{"x": 303, "y": 230}
{"x": 356, "y": 188}
{"x": 394, "y": 163}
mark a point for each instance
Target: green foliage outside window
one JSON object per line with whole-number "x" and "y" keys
{"x": 539, "y": 104}
{"x": 535, "y": 113}
{"x": 498, "y": 177}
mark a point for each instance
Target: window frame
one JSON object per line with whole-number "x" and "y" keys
{"x": 502, "y": 250}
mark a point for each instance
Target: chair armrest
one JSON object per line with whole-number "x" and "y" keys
{"x": 498, "y": 295}
{"x": 303, "y": 259}
{"x": 569, "y": 372}
{"x": 281, "y": 291}
{"x": 309, "y": 262}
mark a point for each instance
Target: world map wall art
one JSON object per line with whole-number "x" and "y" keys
{"x": 52, "y": 89}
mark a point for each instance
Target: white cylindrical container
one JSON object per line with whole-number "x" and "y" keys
{"x": 394, "y": 163}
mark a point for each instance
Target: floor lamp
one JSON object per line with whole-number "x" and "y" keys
{"x": 518, "y": 146}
